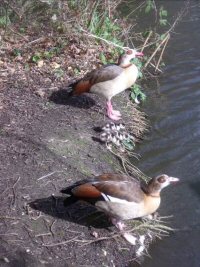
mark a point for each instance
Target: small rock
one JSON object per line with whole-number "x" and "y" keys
{"x": 95, "y": 234}
{"x": 104, "y": 252}
{"x": 40, "y": 93}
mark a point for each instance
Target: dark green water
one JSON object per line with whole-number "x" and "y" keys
{"x": 173, "y": 145}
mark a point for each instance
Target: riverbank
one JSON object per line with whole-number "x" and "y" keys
{"x": 45, "y": 147}
{"x": 47, "y": 143}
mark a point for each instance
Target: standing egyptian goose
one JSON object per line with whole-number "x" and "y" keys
{"x": 121, "y": 197}
{"x": 110, "y": 80}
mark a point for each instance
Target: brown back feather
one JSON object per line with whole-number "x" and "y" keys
{"x": 120, "y": 186}
{"x": 86, "y": 191}
{"x": 103, "y": 74}
{"x": 81, "y": 87}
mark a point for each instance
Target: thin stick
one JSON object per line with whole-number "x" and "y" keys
{"x": 135, "y": 9}
{"x": 156, "y": 50}
{"x": 13, "y": 188}
{"x": 17, "y": 33}
{"x": 155, "y": 67}
{"x": 161, "y": 54}
{"x": 41, "y": 39}
{"x": 9, "y": 218}
{"x": 106, "y": 41}
{"x": 45, "y": 234}
{"x": 60, "y": 243}
{"x": 87, "y": 242}
{"x": 149, "y": 35}
{"x": 11, "y": 7}
{"x": 49, "y": 174}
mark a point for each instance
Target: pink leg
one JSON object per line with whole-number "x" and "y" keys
{"x": 120, "y": 225}
{"x": 113, "y": 114}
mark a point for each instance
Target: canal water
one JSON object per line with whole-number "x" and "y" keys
{"x": 173, "y": 144}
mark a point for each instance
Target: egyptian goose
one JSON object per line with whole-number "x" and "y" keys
{"x": 109, "y": 80}
{"x": 121, "y": 197}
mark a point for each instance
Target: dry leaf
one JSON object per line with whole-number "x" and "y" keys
{"x": 40, "y": 63}
{"x": 55, "y": 65}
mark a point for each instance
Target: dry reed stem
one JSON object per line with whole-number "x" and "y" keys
{"x": 161, "y": 54}
{"x": 155, "y": 51}
{"x": 149, "y": 35}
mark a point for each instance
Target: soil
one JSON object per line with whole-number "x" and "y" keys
{"x": 47, "y": 143}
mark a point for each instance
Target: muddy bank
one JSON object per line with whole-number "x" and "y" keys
{"x": 46, "y": 144}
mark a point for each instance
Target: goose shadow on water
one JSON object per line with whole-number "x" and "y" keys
{"x": 63, "y": 97}
{"x": 79, "y": 212}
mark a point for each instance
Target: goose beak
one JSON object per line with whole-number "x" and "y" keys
{"x": 139, "y": 54}
{"x": 173, "y": 180}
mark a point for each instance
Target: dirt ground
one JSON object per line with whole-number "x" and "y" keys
{"x": 46, "y": 144}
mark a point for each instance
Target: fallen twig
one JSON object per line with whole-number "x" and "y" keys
{"x": 13, "y": 189}
{"x": 41, "y": 39}
{"x": 45, "y": 234}
{"x": 17, "y": 33}
{"x": 60, "y": 243}
{"x": 88, "y": 242}
{"x": 9, "y": 218}
{"x": 47, "y": 175}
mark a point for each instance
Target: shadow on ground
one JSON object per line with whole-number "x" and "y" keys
{"x": 62, "y": 97}
{"x": 79, "y": 212}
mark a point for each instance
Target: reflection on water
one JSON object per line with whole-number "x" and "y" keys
{"x": 173, "y": 146}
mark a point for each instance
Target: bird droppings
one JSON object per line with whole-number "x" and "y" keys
{"x": 95, "y": 234}
{"x": 104, "y": 252}
{"x": 5, "y": 259}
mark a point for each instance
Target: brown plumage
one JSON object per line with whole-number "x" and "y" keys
{"x": 109, "y": 80}
{"x": 122, "y": 197}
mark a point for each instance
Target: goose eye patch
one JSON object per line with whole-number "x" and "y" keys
{"x": 161, "y": 179}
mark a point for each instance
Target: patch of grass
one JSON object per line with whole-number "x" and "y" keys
{"x": 137, "y": 94}
{"x": 17, "y": 52}
{"x": 36, "y": 57}
{"x": 156, "y": 228}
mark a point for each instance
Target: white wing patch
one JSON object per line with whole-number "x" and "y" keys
{"x": 114, "y": 199}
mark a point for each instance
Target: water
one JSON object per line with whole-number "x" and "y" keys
{"x": 173, "y": 146}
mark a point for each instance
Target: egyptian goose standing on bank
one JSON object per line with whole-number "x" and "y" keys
{"x": 121, "y": 197}
{"x": 109, "y": 80}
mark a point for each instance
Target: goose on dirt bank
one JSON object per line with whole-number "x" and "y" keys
{"x": 121, "y": 197}
{"x": 109, "y": 80}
